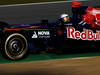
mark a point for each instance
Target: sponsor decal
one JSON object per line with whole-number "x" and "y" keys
{"x": 44, "y": 34}
{"x": 35, "y": 35}
{"x": 85, "y": 35}
{"x": 41, "y": 34}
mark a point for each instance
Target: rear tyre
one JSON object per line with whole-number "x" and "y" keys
{"x": 15, "y": 46}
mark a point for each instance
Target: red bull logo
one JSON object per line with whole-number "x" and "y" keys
{"x": 86, "y": 34}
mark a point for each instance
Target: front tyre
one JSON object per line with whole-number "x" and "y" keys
{"x": 16, "y": 46}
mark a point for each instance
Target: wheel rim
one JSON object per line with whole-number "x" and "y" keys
{"x": 15, "y": 46}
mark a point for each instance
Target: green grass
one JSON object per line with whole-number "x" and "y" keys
{"x": 6, "y": 2}
{"x": 48, "y": 56}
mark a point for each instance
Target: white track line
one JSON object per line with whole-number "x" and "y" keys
{"x": 76, "y": 58}
{"x": 38, "y": 3}
{"x": 82, "y": 58}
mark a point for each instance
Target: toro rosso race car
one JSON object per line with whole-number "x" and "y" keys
{"x": 82, "y": 28}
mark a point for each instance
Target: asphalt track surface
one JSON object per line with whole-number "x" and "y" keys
{"x": 78, "y": 66}
{"x": 28, "y": 14}
{"x": 32, "y": 13}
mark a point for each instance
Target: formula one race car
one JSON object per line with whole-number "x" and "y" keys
{"x": 83, "y": 28}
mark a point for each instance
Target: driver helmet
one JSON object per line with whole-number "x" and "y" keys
{"x": 65, "y": 17}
